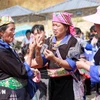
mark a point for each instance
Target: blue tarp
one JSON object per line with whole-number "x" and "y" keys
{"x": 21, "y": 30}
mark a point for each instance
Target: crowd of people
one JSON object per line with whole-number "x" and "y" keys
{"x": 61, "y": 67}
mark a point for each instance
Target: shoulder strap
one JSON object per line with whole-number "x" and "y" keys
{"x": 72, "y": 73}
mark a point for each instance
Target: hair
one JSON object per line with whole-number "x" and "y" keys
{"x": 68, "y": 31}
{"x": 92, "y": 28}
{"x": 24, "y": 49}
{"x": 28, "y": 31}
{"x": 37, "y": 27}
{"x": 78, "y": 30}
{"x": 4, "y": 27}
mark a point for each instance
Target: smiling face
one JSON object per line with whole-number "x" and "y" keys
{"x": 59, "y": 29}
{"x": 8, "y": 34}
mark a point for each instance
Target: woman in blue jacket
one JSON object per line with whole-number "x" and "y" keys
{"x": 94, "y": 68}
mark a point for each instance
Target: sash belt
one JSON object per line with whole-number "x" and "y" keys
{"x": 58, "y": 72}
{"x": 13, "y": 83}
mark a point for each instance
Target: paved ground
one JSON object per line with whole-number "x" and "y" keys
{"x": 92, "y": 97}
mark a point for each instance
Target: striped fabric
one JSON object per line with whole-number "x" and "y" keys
{"x": 13, "y": 96}
{"x": 5, "y": 20}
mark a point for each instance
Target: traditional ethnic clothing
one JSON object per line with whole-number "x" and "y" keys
{"x": 61, "y": 85}
{"x": 14, "y": 75}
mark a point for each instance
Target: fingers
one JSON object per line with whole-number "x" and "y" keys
{"x": 82, "y": 59}
{"x": 38, "y": 39}
{"x": 46, "y": 52}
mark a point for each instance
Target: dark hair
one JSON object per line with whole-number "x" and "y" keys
{"x": 4, "y": 27}
{"x": 37, "y": 27}
{"x": 92, "y": 29}
{"x": 24, "y": 49}
{"x": 78, "y": 30}
{"x": 28, "y": 31}
{"x": 68, "y": 31}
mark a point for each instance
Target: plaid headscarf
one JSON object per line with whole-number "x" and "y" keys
{"x": 5, "y": 20}
{"x": 64, "y": 18}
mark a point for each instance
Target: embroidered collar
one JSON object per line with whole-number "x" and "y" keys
{"x": 63, "y": 41}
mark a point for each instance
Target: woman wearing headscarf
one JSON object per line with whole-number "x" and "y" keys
{"x": 94, "y": 68}
{"x": 63, "y": 50}
{"x": 14, "y": 75}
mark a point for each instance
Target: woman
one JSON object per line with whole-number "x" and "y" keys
{"x": 14, "y": 74}
{"x": 93, "y": 68}
{"x": 61, "y": 50}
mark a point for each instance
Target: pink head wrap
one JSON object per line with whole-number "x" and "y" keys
{"x": 64, "y": 18}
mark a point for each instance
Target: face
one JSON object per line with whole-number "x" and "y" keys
{"x": 59, "y": 29}
{"x": 8, "y": 35}
{"x": 38, "y": 33}
{"x": 97, "y": 26}
{"x": 78, "y": 35}
{"x": 28, "y": 35}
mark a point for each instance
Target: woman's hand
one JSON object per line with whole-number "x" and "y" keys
{"x": 49, "y": 54}
{"x": 80, "y": 64}
{"x": 83, "y": 64}
{"x": 86, "y": 61}
{"x": 37, "y": 75}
